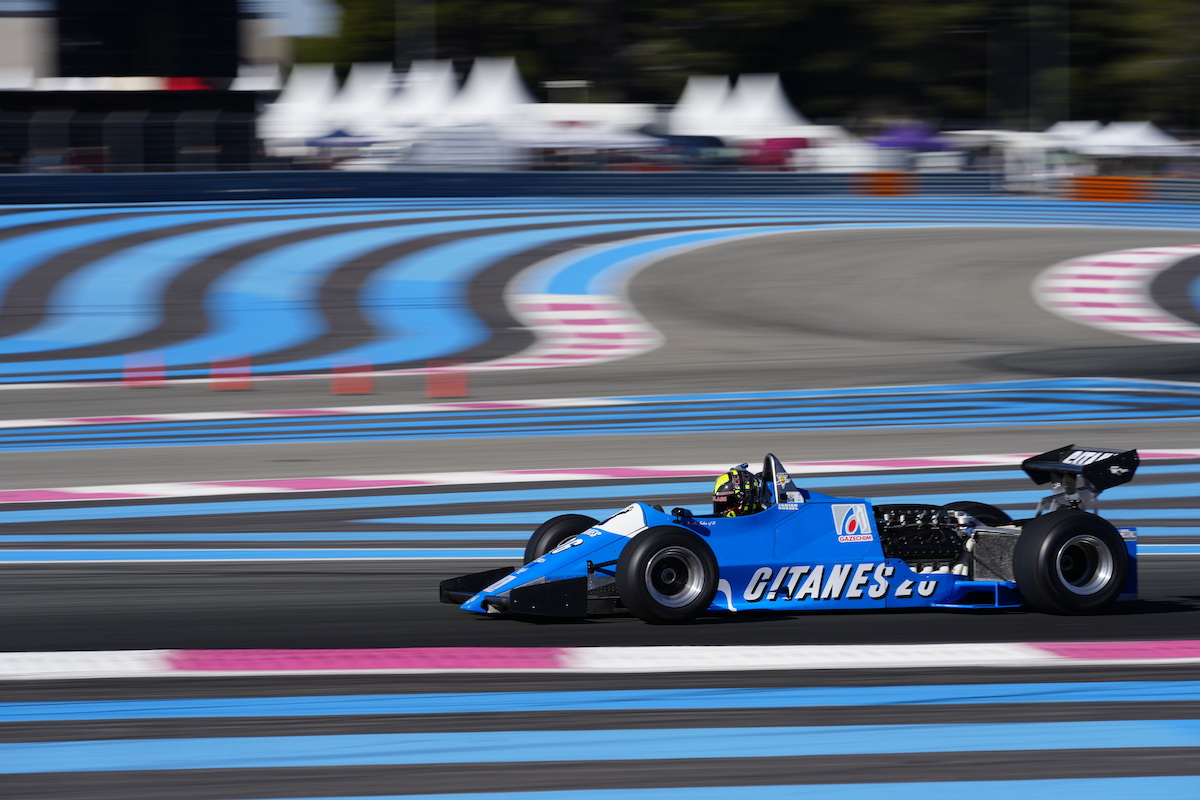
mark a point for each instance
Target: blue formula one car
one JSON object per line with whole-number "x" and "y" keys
{"x": 803, "y": 551}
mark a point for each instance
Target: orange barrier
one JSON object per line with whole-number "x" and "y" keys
{"x": 1108, "y": 188}
{"x": 353, "y": 379}
{"x": 230, "y": 375}
{"x": 885, "y": 184}
{"x": 143, "y": 370}
{"x": 446, "y": 379}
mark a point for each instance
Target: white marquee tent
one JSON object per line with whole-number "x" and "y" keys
{"x": 757, "y": 108}
{"x": 698, "y": 110}
{"x": 1070, "y": 131}
{"x": 427, "y": 90}
{"x": 1130, "y": 139}
{"x": 358, "y": 109}
{"x": 301, "y": 112}
{"x": 494, "y": 111}
{"x": 493, "y": 94}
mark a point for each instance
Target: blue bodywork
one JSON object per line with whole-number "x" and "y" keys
{"x": 804, "y": 551}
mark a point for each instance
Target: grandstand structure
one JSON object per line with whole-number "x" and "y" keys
{"x": 136, "y": 44}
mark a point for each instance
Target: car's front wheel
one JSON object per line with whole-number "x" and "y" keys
{"x": 553, "y": 532}
{"x": 1070, "y": 562}
{"x": 667, "y": 575}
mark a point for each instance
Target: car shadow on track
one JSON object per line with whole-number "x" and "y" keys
{"x": 1151, "y": 361}
{"x": 1172, "y": 605}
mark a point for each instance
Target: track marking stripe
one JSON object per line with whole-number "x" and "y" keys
{"x": 407, "y": 408}
{"x": 1160, "y": 788}
{"x": 159, "y": 663}
{"x": 483, "y": 747}
{"x": 358, "y": 482}
{"x": 601, "y": 700}
{"x": 1132, "y": 691}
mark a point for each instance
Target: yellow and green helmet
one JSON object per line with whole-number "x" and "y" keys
{"x": 736, "y": 492}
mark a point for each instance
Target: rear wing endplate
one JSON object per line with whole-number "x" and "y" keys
{"x": 1080, "y": 473}
{"x": 1100, "y": 468}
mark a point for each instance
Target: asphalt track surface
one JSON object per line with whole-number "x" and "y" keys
{"x": 394, "y": 605}
{"x": 806, "y": 311}
{"x": 803, "y": 311}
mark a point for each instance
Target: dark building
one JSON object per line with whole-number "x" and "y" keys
{"x": 166, "y": 38}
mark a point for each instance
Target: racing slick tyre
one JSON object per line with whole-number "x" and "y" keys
{"x": 667, "y": 575}
{"x": 988, "y": 515}
{"x": 553, "y": 532}
{"x": 1070, "y": 562}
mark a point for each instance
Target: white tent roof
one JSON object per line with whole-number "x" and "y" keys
{"x": 492, "y": 94}
{"x": 309, "y": 84}
{"x": 1131, "y": 139}
{"x": 301, "y": 110}
{"x": 698, "y": 110}
{"x": 758, "y": 109}
{"x": 359, "y": 107}
{"x": 1073, "y": 130}
{"x": 428, "y": 88}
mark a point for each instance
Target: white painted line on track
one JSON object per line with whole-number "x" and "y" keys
{"x": 601, "y": 660}
{"x": 738, "y": 659}
{"x": 1032, "y": 387}
{"x": 343, "y": 483}
{"x": 333, "y": 411}
{"x": 94, "y": 664}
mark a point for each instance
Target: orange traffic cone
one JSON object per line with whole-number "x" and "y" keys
{"x": 446, "y": 379}
{"x": 230, "y": 374}
{"x": 353, "y": 379}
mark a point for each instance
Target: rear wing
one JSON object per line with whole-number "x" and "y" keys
{"x": 1080, "y": 473}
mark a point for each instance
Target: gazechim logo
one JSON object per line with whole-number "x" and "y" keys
{"x": 853, "y": 524}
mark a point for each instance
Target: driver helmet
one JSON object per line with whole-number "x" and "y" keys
{"x": 736, "y": 492}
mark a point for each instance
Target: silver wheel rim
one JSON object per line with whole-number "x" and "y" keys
{"x": 674, "y": 576}
{"x": 1084, "y": 564}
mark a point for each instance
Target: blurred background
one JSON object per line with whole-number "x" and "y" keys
{"x": 1034, "y": 88}
{"x": 420, "y": 231}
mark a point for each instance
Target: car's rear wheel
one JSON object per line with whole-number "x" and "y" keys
{"x": 553, "y": 532}
{"x": 989, "y": 515}
{"x": 1070, "y": 562}
{"x": 667, "y": 575}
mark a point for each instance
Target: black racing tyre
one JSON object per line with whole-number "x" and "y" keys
{"x": 988, "y": 515}
{"x": 553, "y": 532}
{"x": 667, "y": 575}
{"x": 1070, "y": 562}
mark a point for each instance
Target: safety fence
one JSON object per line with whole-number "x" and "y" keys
{"x": 1175, "y": 190}
{"x": 1122, "y": 189}
{"x": 112, "y": 131}
{"x": 273, "y": 185}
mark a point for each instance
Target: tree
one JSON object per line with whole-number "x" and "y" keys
{"x": 1021, "y": 61}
